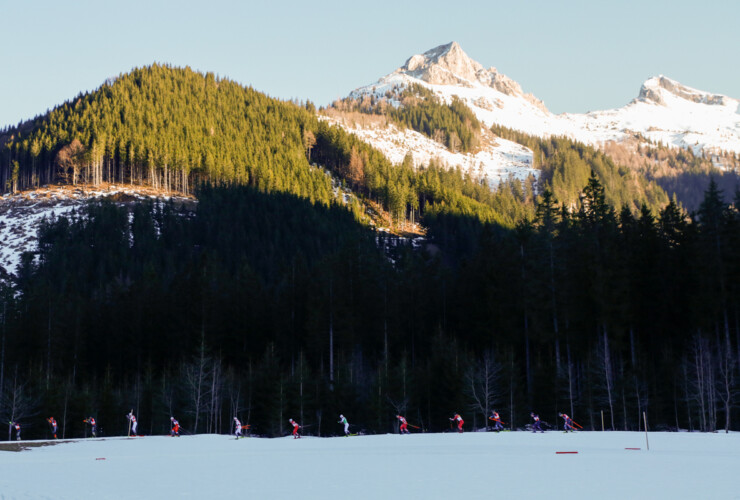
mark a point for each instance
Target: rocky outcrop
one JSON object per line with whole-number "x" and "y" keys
{"x": 449, "y": 65}
{"x": 652, "y": 91}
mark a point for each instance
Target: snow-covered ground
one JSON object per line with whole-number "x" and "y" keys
{"x": 508, "y": 465}
{"x": 21, "y": 214}
{"x": 493, "y": 162}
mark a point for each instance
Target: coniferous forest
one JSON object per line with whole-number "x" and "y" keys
{"x": 271, "y": 299}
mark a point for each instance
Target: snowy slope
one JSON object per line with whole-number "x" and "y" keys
{"x": 665, "y": 111}
{"x": 428, "y": 466}
{"x": 21, "y": 214}
{"x": 495, "y": 161}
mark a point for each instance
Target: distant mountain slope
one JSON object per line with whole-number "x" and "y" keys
{"x": 665, "y": 111}
{"x": 174, "y": 128}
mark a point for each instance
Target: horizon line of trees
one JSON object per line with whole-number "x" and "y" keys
{"x": 269, "y": 307}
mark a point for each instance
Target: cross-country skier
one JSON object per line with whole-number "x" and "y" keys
{"x": 237, "y": 428}
{"x": 497, "y": 419}
{"x": 296, "y": 426}
{"x": 459, "y": 421}
{"x": 404, "y": 425}
{"x": 53, "y": 424}
{"x": 17, "y": 428}
{"x": 343, "y": 420}
{"x": 567, "y": 422}
{"x": 132, "y": 419}
{"x": 175, "y": 430}
{"x": 94, "y": 426}
{"x": 536, "y": 425}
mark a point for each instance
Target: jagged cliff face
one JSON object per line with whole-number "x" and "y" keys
{"x": 450, "y": 65}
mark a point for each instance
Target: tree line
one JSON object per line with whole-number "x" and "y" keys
{"x": 267, "y": 306}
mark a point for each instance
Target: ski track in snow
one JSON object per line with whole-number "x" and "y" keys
{"x": 468, "y": 466}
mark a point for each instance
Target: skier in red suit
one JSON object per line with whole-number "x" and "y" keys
{"x": 296, "y": 426}
{"x": 404, "y": 425}
{"x": 457, "y": 418}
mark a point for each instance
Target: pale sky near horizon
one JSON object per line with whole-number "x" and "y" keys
{"x": 575, "y": 55}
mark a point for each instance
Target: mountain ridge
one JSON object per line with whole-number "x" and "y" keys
{"x": 703, "y": 121}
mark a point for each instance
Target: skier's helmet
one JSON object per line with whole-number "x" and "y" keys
{"x": 341, "y": 416}
{"x": 172, "y": 418}
{"x": 290, "y": 420}
{"x": 560, "y": 414}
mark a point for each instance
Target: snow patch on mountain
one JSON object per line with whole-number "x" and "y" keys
{"x": 22, "y": 213}
{"x": 496, "y": 160}
{"x": 665, "y": 111}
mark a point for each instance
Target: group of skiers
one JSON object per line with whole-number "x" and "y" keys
{"x": 53, "y": 426}
{"x": 568, "y": 425}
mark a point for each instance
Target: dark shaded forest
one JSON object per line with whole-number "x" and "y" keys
{"x": 268, "y": 306}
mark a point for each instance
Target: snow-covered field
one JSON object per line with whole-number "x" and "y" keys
{"x": 508, "y": 465}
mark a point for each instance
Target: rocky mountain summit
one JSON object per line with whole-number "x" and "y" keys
{"x": 653, "y": 89}
{"x": 449, "y": 65}
{"x": 665, "y": 111}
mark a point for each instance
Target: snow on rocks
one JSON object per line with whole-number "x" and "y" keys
{"x": 665, "y": 111}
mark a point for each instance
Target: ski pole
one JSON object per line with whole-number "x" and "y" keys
{"x": 577, "y": 424}
{"x": 414, "y": 426}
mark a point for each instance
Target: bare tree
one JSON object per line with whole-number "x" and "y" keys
{"x": 606, "y": 369}
{"x": 197, "y": 375}
{"x": 309, "y": 141}
{"x": 70, "y": 160}
{"x": 701, "y": 375}
{"x": 439, "y": 136}
{"x": 726, "y": 379}
{"x": 482, "y": 384}
{"x": 17, "y": 402}
{"x": 356, "y": 167}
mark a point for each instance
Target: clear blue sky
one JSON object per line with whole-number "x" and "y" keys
{"x": 575, "y": 55}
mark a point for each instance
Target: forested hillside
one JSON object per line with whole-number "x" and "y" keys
{"x": 175, "y": 128}
{"x": 588, "y": 293}
{"x": 567, "y": 164}
{"x": 268, "y": 306}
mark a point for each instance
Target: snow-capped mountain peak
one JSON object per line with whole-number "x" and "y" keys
{"x": 657, "y": 88}
{"x": 443, "y": 65}
{"x": 665, "y": 112}
{"x": 449, "y": 65}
